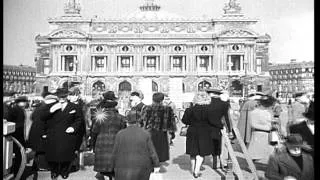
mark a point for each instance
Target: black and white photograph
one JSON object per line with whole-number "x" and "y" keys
{"x": 158, "y": 89}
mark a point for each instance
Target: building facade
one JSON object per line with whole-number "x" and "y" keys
{"x": 153, "y": 50}
{"x": 18, "y": 79}
{"x": 292, "y": 77}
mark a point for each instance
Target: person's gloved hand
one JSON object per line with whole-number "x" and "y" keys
{"x": 70, "y": 130}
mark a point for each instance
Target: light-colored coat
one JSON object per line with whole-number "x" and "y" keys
{"x": 281, "y": 164}
{"x": 259, "y": 147}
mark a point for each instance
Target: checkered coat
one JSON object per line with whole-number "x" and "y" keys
{"x": 106, "y": 132}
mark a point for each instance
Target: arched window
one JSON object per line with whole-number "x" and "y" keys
{"x": 124, "y": 86}
{"x": 98, "y": 87}
{"x": 203, "y": 85}
{"x": 154, "y": 87}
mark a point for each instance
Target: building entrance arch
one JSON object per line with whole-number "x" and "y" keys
{"x": 98, "y": 88}
{"x": 124, "y": 92}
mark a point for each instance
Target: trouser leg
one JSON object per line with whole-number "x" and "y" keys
{"x": 65, "y": 168}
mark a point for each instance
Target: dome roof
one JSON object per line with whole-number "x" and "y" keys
{"x": 152, "y": 12}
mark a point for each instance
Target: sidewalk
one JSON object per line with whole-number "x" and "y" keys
{"x": 178, "y": 167}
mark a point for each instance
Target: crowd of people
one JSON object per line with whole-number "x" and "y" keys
{"x": 135, "y": 144}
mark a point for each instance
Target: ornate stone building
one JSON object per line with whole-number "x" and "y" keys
{"x": 289, "y": 78}
{"x": 152, "y": 50}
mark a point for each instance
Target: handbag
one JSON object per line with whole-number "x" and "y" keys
{"x": 183, "y": 131}
{"x": 273, "y": 137}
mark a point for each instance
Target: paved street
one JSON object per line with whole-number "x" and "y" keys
{"x": 176, "y": 168}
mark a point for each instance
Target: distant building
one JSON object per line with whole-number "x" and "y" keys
{"x": 18, "y": 79}
{"x": 153, "y": 50}
{"x": 292, "y": 77}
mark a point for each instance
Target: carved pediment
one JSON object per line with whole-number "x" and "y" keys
{"x": 67, "y": 34}
{"x": 237, "y": 33}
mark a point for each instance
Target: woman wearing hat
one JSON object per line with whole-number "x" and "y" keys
{"x": 108, "y": 123}
{"x": 199, "y": 142}
{"x": 291, "y": 162}
{"x": 134, "y": 155}
{"x": 159, "y": 121}
{"x": 260, "y": 120}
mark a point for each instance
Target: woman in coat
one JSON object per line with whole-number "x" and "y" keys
{"x": 260, "y": 120}
{"x": 134, "y": 155}
{"x": 199, "y": 142}
{"x": 108, "y": 123}
{"x": 159, "y": 121}
{"x": 62, "y": 131}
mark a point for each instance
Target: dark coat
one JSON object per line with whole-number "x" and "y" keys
{"x": 17, "y": 115}
{"x": 134, "y": 155}
{"x": 159, "y": 120}
{"x": 303, "y": 129}
{"x": 199, "y": 141}
{"x": 138, "y": 108}
{"x": 39, "y": 117}
{"x": 82, "y": 130}
{"x": 60, "y": 145}
{"x": 217, "y": 110}
{"x": 106, "y": 131}
{"x": 281, "y": 164}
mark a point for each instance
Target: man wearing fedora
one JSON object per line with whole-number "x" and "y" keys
{"x": 291, "y": 162}
{"x": 218, "y": 110}
{"x": 63, "y": 128}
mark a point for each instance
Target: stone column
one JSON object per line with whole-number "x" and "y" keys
{"x": 62, "y": 66}
{"x": 210, "y": 64}
{"x": 241, "y": 63}
{"x": 229, "y": 64}
{"x": 183, "y": 63}
{"x": 105, "y": 63}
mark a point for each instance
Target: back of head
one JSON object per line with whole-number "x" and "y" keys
{"x": 133, "y": 117}
{"x": 158, "y": 97}
{"x": 201, "y": 98}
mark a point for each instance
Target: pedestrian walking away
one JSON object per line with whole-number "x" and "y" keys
{"x": 134, "y": 155}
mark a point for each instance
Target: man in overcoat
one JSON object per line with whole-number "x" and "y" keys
{"x": 218, "y": 109}
{"x": 62, "y": 133}
{"x": 291, "y": 162}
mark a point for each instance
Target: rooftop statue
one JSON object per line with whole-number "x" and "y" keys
{"x": 232, "y": 7}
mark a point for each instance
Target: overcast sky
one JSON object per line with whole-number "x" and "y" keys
{"x": 290, "y": 23}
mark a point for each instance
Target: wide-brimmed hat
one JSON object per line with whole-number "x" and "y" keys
{"x": 214, "y": 90}
{"x": 295, "y": 140}
{"x": 21, "y": 99}
{"x": 109, "y": 95}
{"x": 133, "y": 117}
{"x": 62, "y": 92}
